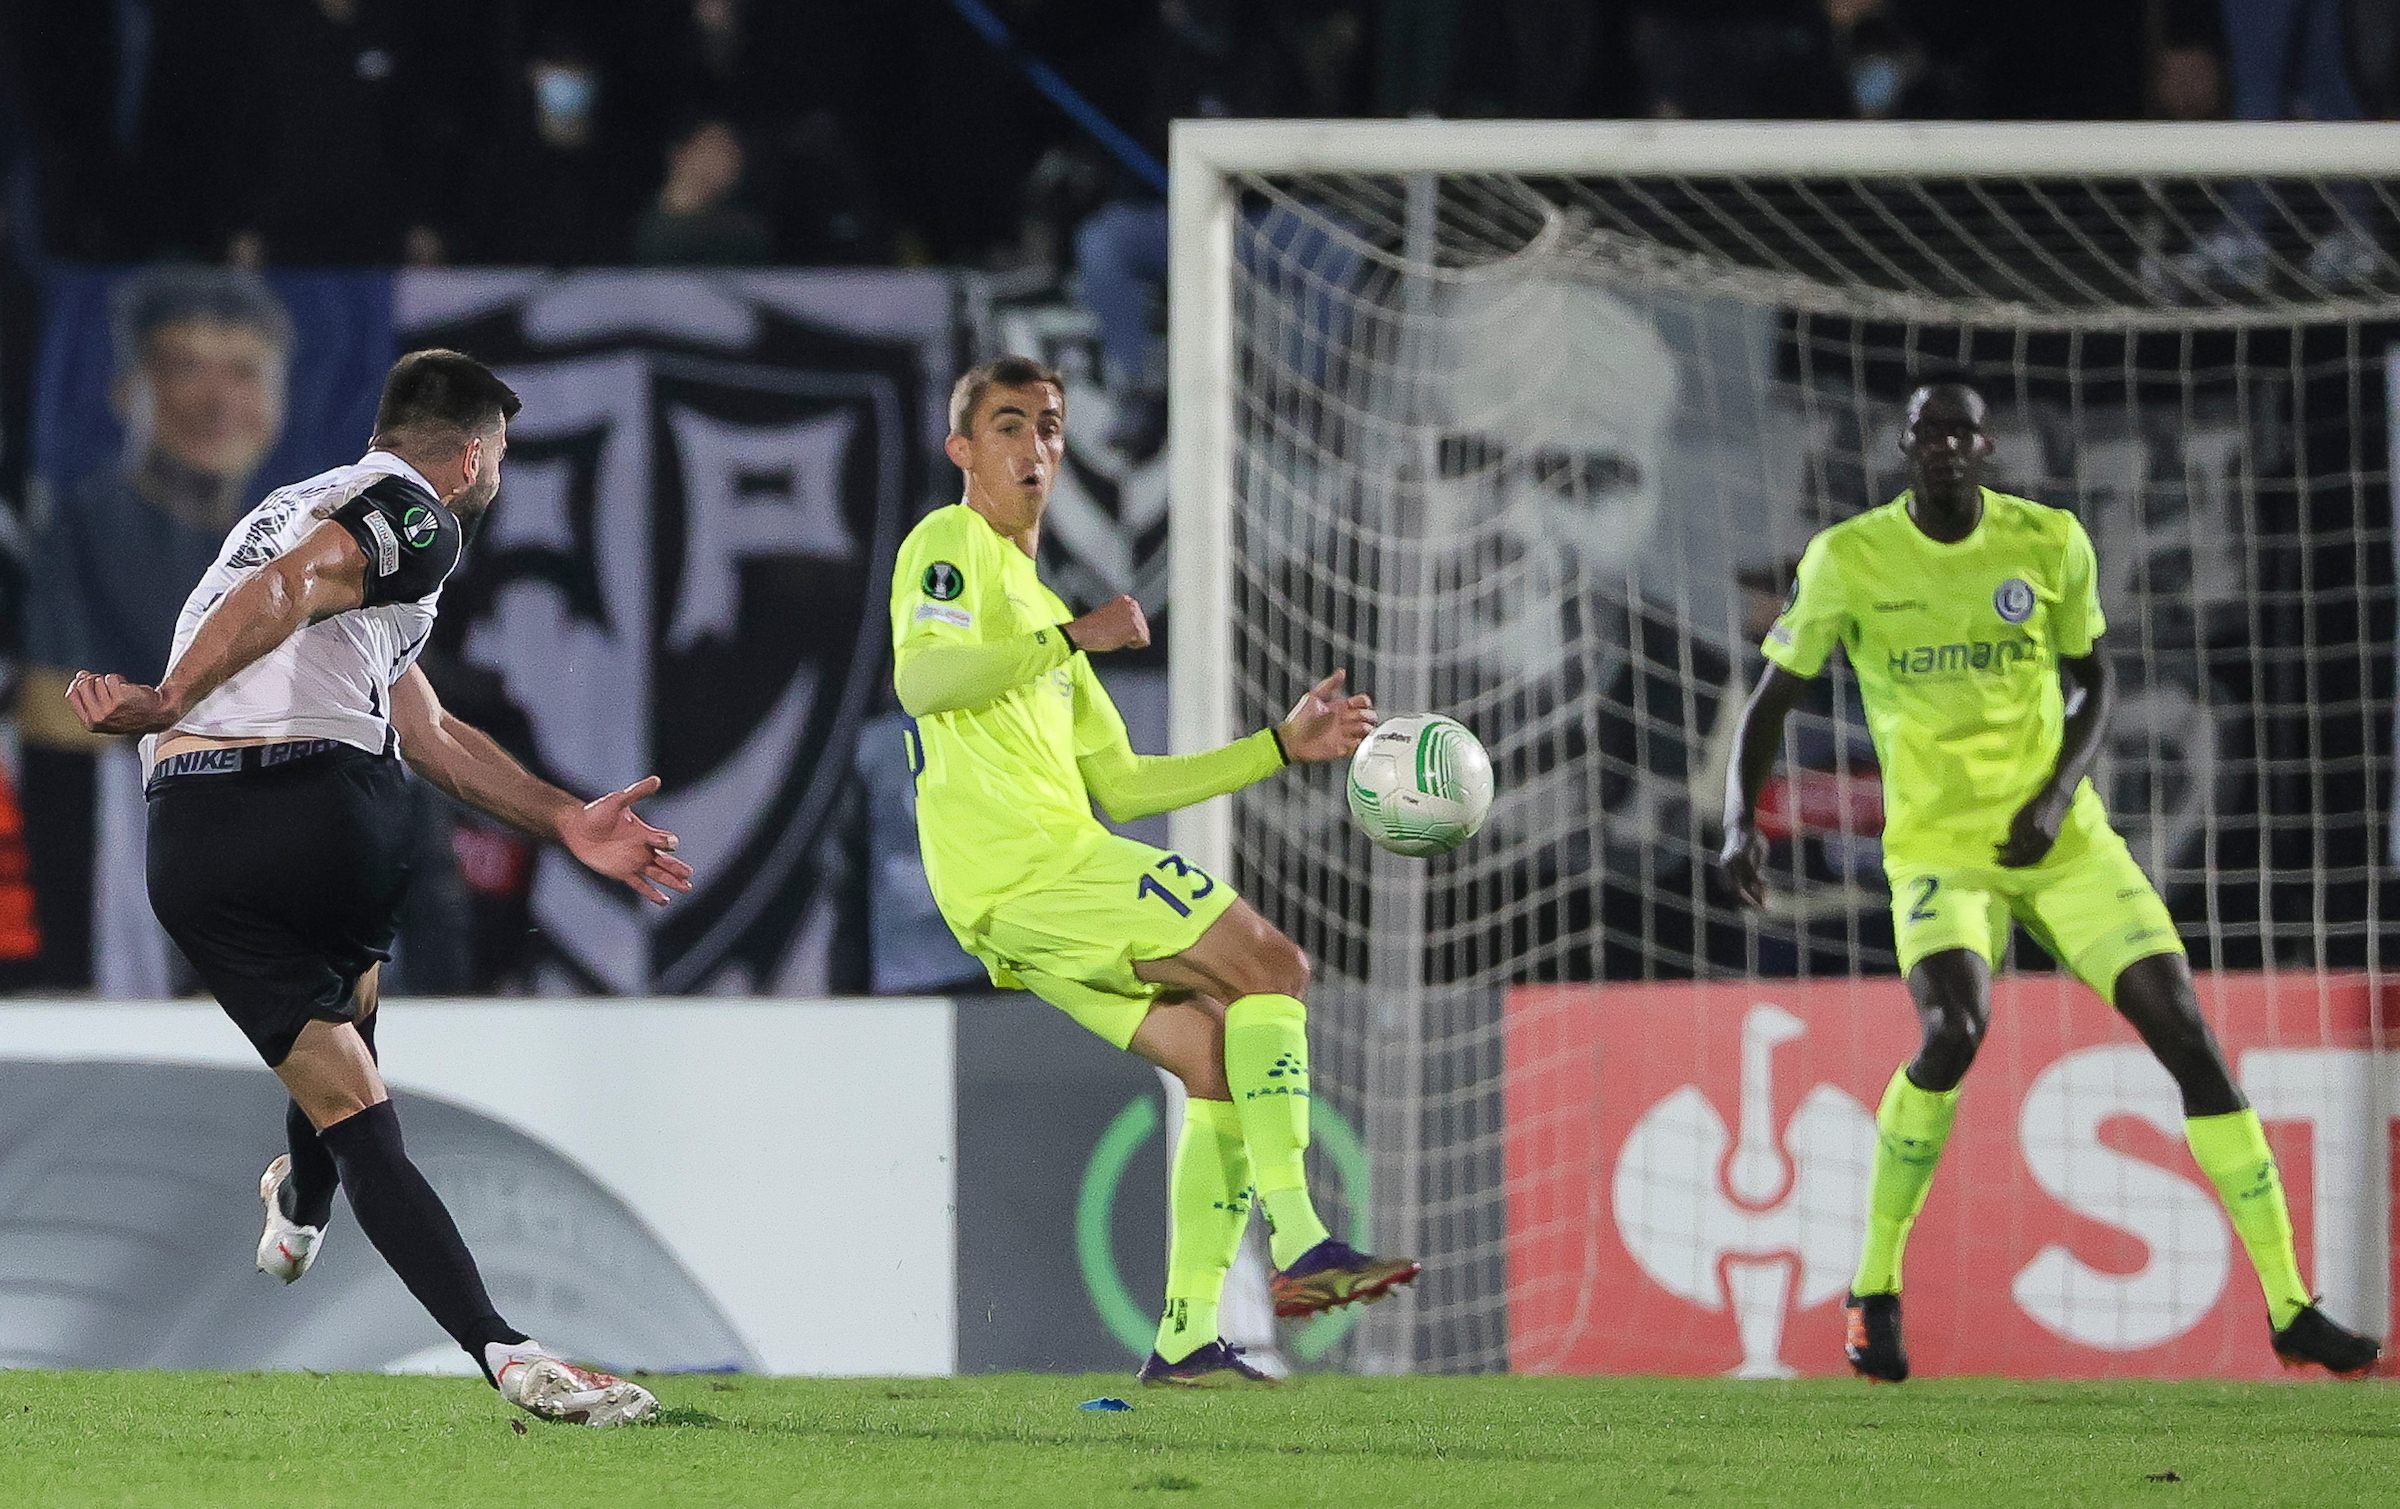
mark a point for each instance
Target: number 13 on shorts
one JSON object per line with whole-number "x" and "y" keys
{"x": 1177, "y": 882}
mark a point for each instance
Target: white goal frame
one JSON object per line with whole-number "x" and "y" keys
{"x": 1205, "y": 155}
{"x": 1208, "y": 162}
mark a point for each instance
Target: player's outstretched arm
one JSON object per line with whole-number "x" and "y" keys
{"x": 1757, "y": 740}
{"x": 464, "y": 761}
{"x": 1323, "y": 725}
{"x": 324, "y": 574}
{"x": 2034, "y": 829}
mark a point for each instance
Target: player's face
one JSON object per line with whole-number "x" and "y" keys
{"x": 1946, "y": 443}
{"x": 485, "y": 485}
{"x": 214, "y": 394}
{"x": 1013, "y": 456}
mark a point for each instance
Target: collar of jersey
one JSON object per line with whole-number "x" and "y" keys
{"x": 392, "y": 466}
{"x": 1983, "y": 516}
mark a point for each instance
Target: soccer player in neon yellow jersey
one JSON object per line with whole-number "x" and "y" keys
{"x": 1014, "y": 739}
{"x": 1960, "y": 609}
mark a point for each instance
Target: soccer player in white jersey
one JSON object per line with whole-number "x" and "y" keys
{"x": 1961, "y": 608}
{"x": 277, "y": 840}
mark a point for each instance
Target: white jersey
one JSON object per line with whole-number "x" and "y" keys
{"x": 333, "y": 679}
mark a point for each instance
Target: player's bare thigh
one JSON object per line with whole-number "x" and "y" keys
{"x": 329, "y": 1071}
{"x": 1241, "y": 954}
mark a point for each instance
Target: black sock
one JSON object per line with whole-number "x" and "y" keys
{"x": 408, "y": 1224}
{"x": 307, "y": 1195}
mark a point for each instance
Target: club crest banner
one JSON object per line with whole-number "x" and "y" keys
{"x": 685, "y": 574}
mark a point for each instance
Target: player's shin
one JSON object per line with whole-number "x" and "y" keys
{"x": 407, "y": 1223}
{"x": 2232, "y": 1150}
{"x": 1911, "y": 1127}
{"x": 1208, "y": 1204}
{"x": 1266, "y": 1063}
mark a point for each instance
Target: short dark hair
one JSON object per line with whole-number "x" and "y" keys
{"x": 1007, "y": 372}
{"x": 443, "y": 395}
{"x": 175, "y": 293}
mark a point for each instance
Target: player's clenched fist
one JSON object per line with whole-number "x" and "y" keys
{"x": 1325, "y": 725}
{"x": 1117, "y": 624}
{"x": 113, "y": 705}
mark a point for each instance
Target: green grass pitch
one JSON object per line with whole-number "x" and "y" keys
{"x": 284, "y": 1439}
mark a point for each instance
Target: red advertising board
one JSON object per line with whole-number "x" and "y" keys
{"x": 1687, "y": 1169}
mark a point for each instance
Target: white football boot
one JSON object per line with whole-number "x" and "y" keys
{"x": 541, "y": 1384}
{"x": 287, "y": 1247}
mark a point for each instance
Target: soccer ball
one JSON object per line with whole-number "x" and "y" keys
{"x": 1420, "y": 784}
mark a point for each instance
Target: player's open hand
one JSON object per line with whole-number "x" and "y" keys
{"x": 113, "y": 705}
{"x": 2032, "y": 833}
{"x": 1117, "y": 624}
{"x": 1325, "y": 725}
{"x": 1743, "y": 863}
{"x": 612, "y": 840}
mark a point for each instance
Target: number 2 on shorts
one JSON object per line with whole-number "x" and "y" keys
{"x": 1926, "y": 885}
{"x": 1151, "y": 887}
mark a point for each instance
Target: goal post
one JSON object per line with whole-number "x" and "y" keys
{"x": 1527, "y": 423}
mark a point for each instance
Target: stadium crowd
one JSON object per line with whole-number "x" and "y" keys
{"x": 839, "y": 131}
{"x": 869, "y": 133}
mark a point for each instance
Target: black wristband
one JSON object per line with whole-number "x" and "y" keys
{"x": 1281, "y": 753}
{"x": 1066, "y": 632}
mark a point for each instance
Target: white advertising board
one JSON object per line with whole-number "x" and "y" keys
{"x": 762, "y": 1185}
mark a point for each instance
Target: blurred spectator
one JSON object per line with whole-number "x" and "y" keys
{"x": 808, "y": 87}
{"x": 201, "y": 357}
{"x": 562, "y": 193}
{"x": 1890, "y": 66}
{"x": 2288, "y": 62}
{"x": 1739, "y": 59}
{"x": 1121, "y": 269}
{"x": 345, "y": 126}
{"x": 2189, "y": 82}
{"x": 696, "y": 221}
{"x": 1209, "y": 58}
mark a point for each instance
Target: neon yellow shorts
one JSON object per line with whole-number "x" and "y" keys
{"x": 2087, "y": 902}
{"x": 1074, "y": 942}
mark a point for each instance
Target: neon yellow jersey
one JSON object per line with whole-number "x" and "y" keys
{"x": 1956, "y": 649}
{"x": 1001, "y": 804}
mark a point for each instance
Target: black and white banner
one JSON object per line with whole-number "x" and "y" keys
{"x": 686, "y": 574}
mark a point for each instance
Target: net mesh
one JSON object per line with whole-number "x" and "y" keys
{"x": 1541, "y": 453}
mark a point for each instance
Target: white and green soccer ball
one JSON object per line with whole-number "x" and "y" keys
{"x": 1421, "y": 784}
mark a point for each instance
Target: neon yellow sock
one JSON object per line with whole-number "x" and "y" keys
{"x": 1911, "y": 1126}
{"x": 2232, "y": 1150}
{"x": 1266, "y": 1063}
{"x": 1208, "y": 1204}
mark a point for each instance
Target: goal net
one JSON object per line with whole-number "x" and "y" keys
{"x": 1529, "y": 425}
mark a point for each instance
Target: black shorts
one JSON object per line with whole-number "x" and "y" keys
{"x": 278, "y": 870}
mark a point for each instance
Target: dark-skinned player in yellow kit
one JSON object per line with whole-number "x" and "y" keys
{"x": 1014, "y": 740}
{"x": 1961, "y": 608}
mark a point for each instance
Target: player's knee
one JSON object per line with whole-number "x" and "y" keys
{"x": 1283, "y": 968}
{"x": 1952, "y": 1032}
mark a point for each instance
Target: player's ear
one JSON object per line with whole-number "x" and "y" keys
{"x": 1984, "y": 443}
{"x": 959, "y": 449}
